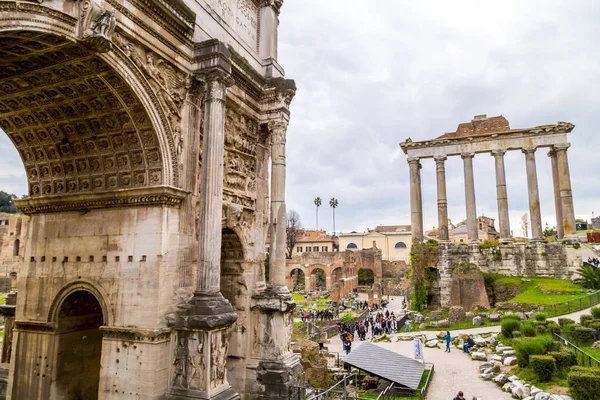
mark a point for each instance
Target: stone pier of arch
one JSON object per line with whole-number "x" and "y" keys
{"x": 147, "y": 131}
{"x": 495, "y": 137}
{"x": 340, "y": 269}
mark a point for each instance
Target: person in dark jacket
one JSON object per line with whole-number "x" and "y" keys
{"x": 459, "y": 396}
{"x": 468, "y": 344}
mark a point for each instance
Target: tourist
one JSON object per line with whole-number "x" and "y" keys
{"x": 407, "y": 325}
{"x": 448, "y": 339}
{"x": 469, "y": 343}
{"x": 459, "y": 396}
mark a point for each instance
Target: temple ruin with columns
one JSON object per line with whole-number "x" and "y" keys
{"x": 147, "y": 130}
{"x": 493, "y": 136}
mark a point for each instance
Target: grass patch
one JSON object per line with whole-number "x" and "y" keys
{"x": 592, "y": 352}
{"x": 322, "y": 304}
{"x": 542, "y": 290}
{"x": 559, "y": 379}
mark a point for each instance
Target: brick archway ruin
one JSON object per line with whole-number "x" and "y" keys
{"x": 146, "y": 131}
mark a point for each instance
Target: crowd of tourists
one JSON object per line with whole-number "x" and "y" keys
{"x": 593, "y": 261}
{"x": 320, "y": 315}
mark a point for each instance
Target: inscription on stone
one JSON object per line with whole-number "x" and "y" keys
{"x": 242, "y": 16}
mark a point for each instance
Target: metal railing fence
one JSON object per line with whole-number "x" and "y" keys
{"x": 583, "y": 359}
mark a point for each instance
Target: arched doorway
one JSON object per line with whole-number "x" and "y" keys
{"x": 79, "y": 343}
{"x": 298, "y": 279}
{"x": 366, "y": 278}
{"x": 319, "y": 279}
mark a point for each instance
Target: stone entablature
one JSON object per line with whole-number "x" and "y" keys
{"x": 514, "y": 139}
{"x": 492, "y": 135}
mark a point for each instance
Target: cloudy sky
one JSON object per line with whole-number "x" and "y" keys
{"x": 372, "y": 73}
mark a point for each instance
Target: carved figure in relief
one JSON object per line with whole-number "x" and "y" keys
{"x": 169, "y": 85}
{"x": 198, "y": 365}
{"x": 97, "y": 25}
{"x": 180, "y": 363}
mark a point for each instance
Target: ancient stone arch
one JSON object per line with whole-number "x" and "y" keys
{"x": 146, "y": 130}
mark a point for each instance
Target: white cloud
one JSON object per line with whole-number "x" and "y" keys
{"x": 370, "y": 75}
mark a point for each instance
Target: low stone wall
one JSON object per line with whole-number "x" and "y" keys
{"x": 555, "y": 260}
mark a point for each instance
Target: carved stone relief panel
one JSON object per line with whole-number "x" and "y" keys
{"x": 77, "y": 125}
{"x": 241, "y": 140}
{"x": 169, "y": 84}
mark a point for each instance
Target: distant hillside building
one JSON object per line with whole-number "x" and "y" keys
{"x": 394, "y": 241}
{"x": 458, "y": 233}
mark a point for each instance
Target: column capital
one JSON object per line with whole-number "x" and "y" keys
{"x": 440, "y": 159}
{"x": 551, "y": 152}
{"x": 528, "y": 150}
{"x": 498, "y": 153}
{"x": 275, "y": 4}
{"x": 467, "y": 155}
{"x": 278, "y": 129}
{"x": 217, "y": 81}
{"x": 414, "y": 160}
{"x": 561, "y": 147}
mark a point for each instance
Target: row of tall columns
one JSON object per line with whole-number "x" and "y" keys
{"x": 565, "y": 214}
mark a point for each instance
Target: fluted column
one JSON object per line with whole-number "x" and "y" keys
{"x": 416, "y": 200}
{"x": 566, "y": 195}
{"x": 442, "y": 199}
{"x": 535, "y": 213}
{"x": 503, "y": 218}
{"x": 278, "y": 130}
{"x": 211, "y": 184}
{"x": 472, "y": 231}
{"x": 557, "y": 201}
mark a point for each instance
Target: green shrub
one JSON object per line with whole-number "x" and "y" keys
{"x": 596, "y": 312}
{"x": 584, "y": 318}
{"x": 543, "y": 366}
{"x": 346, "y": 318}
{"x": 565, "y": 321}
{"x": 528, "y": 329}
{"x": 516, "y": 334}
{"x": 584, "y": 335}
{"x": 564, "y": 358}
{"x": 553, "y": 327}
{"x": 572, "y": 327}
{"x": 594, "y": 324}
{"x": 488, "y": 244}
{"x": 584, "y": 383}
{"x": 509, "y": 325}
{"x": 541, "y": 316}
{"x": 576, "y": 246}
{"x": 526, "y": 347}
{"x": 541, "y": 330}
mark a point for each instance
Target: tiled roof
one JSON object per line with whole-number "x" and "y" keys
{"x": 313, "y": 239}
